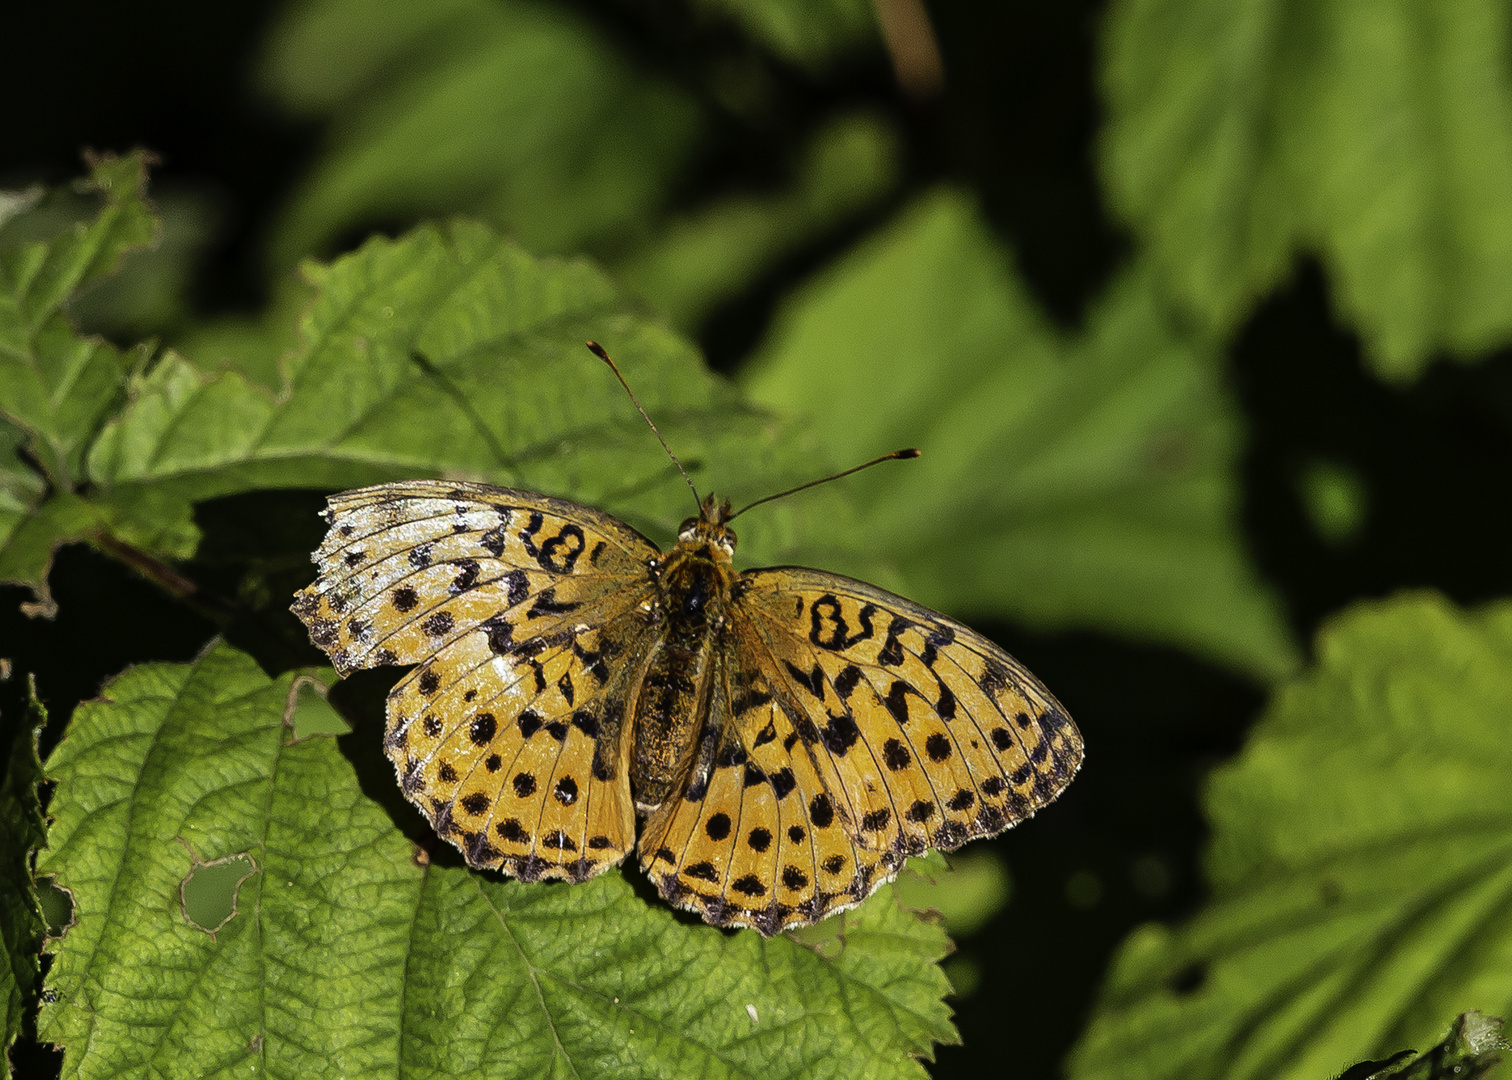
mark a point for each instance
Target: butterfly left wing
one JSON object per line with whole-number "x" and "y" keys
{"x": 519, "y": 611}
{"x": 758, "y": 837}
{"x": 934, "y": 734}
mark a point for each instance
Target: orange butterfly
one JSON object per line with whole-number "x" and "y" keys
{"x": 789, "y": 735}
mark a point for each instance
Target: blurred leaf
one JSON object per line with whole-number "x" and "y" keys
{"x": 1335, "y": 498}
{"x": 55, "y": 385}
{"x": 1361, "y": 866}
{"x": 1375, "y": 135}
{"x": 1084, "y": 482}
{"x": 1468, "y": 1052}
{"x": 451, "y": 352}
{"x": 810, "y": 33}
{"x": 351, "y": 956}
{"x": 150, "y": 294}
{"x": 517, "y": 112}
{"x": 709, "y": 255}
{"x": 965, "y": 888}
{"x": 21, "y": 488}
{"x": 23, "y": 829}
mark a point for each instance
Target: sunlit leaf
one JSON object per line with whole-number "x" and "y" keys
{"x": 1375, "y": 135}
{"x": 350, "y": 954}
{"x": 1082, "y": 481}
{"x": 55, "y": 385}
{"x": 1361, "y": 866}
{"x": 452, "y": 352}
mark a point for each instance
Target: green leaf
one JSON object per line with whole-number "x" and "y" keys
{"x": 712, "y": 253}
{"x": 452, "y": 352}
{"x": 352, "y": 955}
{"x": 23, "y": 829}
{"x": 516, "y": 112}
{"x": 1374, "y": 135}
{"x": 810, "y": 33}
{"x": 55, "y": 385}
{"x": 1469, "y": 1051}
{"x": 1081, "y": 482}
{"x": 1361, "y": 866}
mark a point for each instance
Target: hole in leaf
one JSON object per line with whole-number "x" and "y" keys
{"x": 826, "y": 937}
{"x": 209, "y": 892}
{"x": 309, "y": 713}
{"x": 57, "y": 907}
{"x": 967, "y": 890}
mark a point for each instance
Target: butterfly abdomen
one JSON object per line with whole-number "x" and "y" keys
{"x": 694, "y": 583}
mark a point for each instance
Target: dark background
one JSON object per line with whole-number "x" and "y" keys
{"x": 1017, "y": 121}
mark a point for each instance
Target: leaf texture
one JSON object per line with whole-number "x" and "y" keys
{"x": 351, "y": 955}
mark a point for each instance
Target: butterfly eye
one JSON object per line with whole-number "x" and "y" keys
{"x": 688, "y": 529}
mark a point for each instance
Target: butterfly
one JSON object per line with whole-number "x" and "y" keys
{"x": 788, "y": 736}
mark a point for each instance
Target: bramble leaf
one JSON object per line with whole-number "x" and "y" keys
{"x": 1361, "y": 866}
{"x": 351, "y": 954}
{"x": 452, "y": 352}
{"x": 55, "y": 385}
{"x": 1088, "y": 481}
{"x": 1376, "y": 136}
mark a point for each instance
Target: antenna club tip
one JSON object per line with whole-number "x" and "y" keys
{"x": 909, "y": 453}
{"x": 598, "y": 350}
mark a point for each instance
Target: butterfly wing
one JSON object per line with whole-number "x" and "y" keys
{"x": 924, "y": 733}
{"x": 521, "y": 614}
{"x": 755, "y": 840}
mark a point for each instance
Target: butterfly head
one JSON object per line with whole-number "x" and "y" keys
{"x": 709, "y": 527}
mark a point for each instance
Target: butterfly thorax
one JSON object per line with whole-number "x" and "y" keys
{"x": 695, "y": 583}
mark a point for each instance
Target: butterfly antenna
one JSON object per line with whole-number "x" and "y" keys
{"x": 599, "y": 351}
{"x": 896, "y": 455}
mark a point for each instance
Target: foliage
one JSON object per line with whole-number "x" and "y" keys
{"x": 450, "y": 352}
{"x": 528, "y": 117}
{"x": 1064, "y": 481}
{"x": 1470, "y": 1050}
{"x": 1360, "y": 866}
{"x": 1375, "y": 136}
{"x": 352, "y": 954}
{"x": 1079, "y": 477}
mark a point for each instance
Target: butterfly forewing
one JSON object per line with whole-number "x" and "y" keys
{"x": 935, "y": 735}
{"x": 520, "y": 612}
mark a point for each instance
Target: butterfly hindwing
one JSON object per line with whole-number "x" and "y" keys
{"x": 510, "y": 734}
{"x": 758, "y": 838}
{"x": 936, "y": 735}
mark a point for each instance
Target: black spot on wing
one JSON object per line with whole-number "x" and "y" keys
{"x": 812, "y": 681}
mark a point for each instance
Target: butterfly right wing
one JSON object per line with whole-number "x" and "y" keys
{"x": 757, "y": 837}
{"x": 522, "y": 613}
